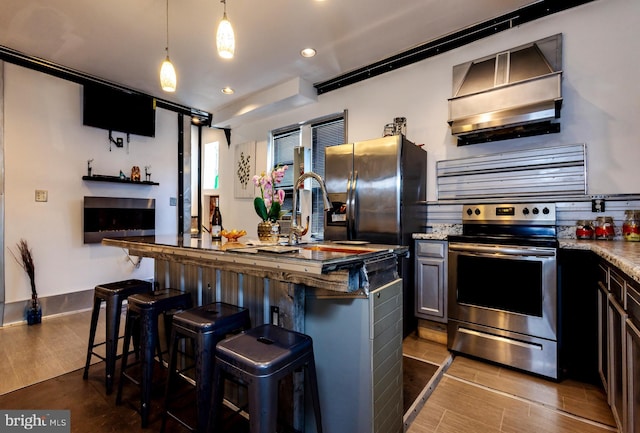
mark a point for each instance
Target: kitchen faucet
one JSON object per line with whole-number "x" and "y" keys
{"x": 298, "y": 231}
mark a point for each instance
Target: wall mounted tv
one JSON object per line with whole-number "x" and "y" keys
{"x": 117, "y": 110}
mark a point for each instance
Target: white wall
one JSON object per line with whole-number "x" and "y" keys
{"x": 47, "y": 147}
{"x": 600, "y": 89}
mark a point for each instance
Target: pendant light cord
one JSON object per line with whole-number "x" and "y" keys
{"x": 167, "y": 47}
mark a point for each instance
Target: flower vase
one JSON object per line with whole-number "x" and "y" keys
{"x": 268, "y": 231}
{"x": 33, "y": 311}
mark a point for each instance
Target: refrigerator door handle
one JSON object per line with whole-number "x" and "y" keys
{"x": 351, "y": 208}
{"x": 348, "y": 203}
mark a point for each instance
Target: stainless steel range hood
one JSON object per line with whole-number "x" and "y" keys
{"x": 510, "y": 94}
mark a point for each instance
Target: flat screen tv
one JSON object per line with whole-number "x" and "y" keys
{"x": 117, "y": 110}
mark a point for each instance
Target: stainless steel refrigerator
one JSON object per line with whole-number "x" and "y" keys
{"x": 378, "y": 192}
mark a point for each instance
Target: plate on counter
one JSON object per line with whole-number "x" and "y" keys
{"x": 278, "y": 249}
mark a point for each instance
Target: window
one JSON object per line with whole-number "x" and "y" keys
{"x": 210, "y": 165}
{"x": 283, "y": 144}
{"x": 325, "y": 132}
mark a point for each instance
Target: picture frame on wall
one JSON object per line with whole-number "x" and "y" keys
{"x": 244, "y": 169}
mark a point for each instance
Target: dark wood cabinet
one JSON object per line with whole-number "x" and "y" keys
{"x": 633, "y": 357}
{"x": 617, "y": 361}
{"x": 578, "y": 321}
{"x": 619, "y": 352}
{"x": 603, "y": 324}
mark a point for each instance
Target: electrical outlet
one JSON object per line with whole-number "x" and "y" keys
{"x": 41, "y": 195}
{"x": 275, "y": 315}
{"x": 119, "y": 142}
{"x": 597, "y": 205}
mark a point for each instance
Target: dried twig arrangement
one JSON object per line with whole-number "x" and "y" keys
{"x": 26, "y": 261}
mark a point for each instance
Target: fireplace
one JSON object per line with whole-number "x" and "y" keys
{"x": 118, "y": 217}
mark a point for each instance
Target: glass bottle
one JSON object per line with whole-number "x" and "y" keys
{"x": 216, "y": 222}
{"x": 631, "y": 226}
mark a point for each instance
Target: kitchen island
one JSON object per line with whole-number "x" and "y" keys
{"x": 348, "y": 298}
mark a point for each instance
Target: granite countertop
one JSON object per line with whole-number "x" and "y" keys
{"x": 623, "y": 254}
{"x": 431, "y": 236}
{"x": 439, "y": 232}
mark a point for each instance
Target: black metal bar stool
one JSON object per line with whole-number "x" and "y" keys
{"x": 113, "y": 294}
{"x": 260, "y": 357}
{"x": 205, "y": 326}
{"x": 147, "y": 307}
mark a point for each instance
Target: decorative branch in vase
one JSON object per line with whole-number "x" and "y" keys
{"x": 33, "y": 310}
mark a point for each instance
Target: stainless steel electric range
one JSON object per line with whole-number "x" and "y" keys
{"x": 503, "y": 286}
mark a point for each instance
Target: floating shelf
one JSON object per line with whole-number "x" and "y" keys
{"x": 116, "y": 179}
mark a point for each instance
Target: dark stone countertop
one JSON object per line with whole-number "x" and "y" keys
{"x": 339, "y": 265}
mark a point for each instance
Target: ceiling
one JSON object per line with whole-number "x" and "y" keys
{"x": 123, "y": 41}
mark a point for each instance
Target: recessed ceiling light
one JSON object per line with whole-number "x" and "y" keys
{"x": 227, "y": 90}
{"x": 308, "y": 52}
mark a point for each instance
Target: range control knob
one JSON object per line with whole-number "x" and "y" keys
{"x": 477, "y": 212}
{"x": 536, "y": 211}
{"x": 469, "y": 211}
{"x": 545, "y": 211}
{"x": 525, "y": 211}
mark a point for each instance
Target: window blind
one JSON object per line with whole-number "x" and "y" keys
{"x": 323, "y": 135}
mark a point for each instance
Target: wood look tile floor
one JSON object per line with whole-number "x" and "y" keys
{"x": 474, "y": 396}
{"x": 58, "y": 345}
{"x": 470, "y": 396}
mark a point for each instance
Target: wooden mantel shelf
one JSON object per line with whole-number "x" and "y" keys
{"x": 117, "y": 179}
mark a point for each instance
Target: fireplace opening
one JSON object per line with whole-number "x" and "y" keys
{"x": 118, "y": 217}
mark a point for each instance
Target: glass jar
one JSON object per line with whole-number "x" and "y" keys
{"x": 631, "y": 226}
{"x": 400, "y": 126}
{"x": 584, "y": 229}
{"x": 604, "y": 228}
{"x": 389, "y": 129}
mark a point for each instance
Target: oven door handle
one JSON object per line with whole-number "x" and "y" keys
{"x": 481, "y": 249}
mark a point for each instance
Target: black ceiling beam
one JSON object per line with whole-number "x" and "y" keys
{"x": 449, "y": 42}
{"x": 51, "y": 68}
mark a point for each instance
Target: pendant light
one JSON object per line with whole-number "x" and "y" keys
{"x": 168, "y": 79}
{"x": 225, "y": 40}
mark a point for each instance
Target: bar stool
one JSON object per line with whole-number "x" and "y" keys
{"x": 260, "y": 357}
{"x": 113, "y": 294}
{"x": 147, "y": 307}
{"x": 205, "y": 326}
